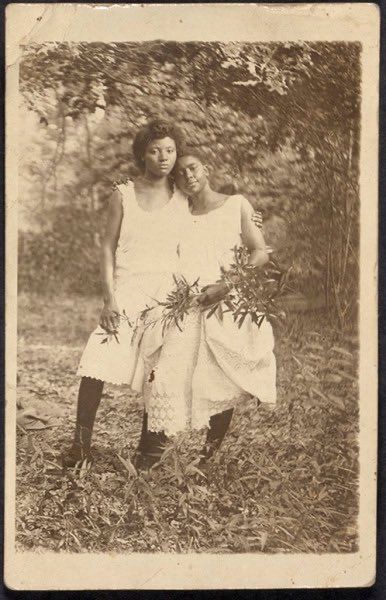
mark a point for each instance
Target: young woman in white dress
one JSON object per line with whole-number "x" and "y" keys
{"x": 203, "y": 371}
{"x": 138, "y": 259}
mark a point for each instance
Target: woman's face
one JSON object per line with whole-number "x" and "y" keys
{"x": 160, "y": 157}
{"x": 191, "y": 175}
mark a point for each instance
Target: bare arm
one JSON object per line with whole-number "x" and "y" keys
{"x": 252, "y": 237}
{"x": 109, "y": 244}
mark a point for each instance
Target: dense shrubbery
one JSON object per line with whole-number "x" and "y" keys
{"x": 279, "y": 120}
{"x": 63, "y": 256}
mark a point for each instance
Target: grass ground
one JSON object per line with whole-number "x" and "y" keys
{"x": 284, "y": 480}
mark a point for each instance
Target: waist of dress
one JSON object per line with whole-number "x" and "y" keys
{"x": 154, "y": 264}
{"x": 203, "y": 279}
{"x": 141, "y": 273}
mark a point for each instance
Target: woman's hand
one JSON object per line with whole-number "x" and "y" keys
{"x": 257, "y": 219}
{"x": 211, "y": 294}
{"x": 109, "y": 319}
{"x": 251, "y": 235}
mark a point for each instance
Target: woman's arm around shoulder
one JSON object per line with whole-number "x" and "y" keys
{"x": 251, "y": 235}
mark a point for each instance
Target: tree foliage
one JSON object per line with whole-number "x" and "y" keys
{"x": 281, "y": 120}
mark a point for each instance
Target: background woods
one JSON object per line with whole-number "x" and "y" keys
{"x": 279, "y": 120}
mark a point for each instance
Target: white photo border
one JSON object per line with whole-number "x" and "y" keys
{"x": 38, "y": 23}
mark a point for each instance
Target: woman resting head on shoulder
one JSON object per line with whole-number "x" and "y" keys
{"x": 219, "y": 364}
{"x": 191, "y": 174}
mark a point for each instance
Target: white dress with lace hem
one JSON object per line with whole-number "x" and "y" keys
{"x": 211, "y": 365}
{"x": 145, "y": 260}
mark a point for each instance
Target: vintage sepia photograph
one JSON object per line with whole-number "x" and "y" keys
{"x": 189, "y": 322}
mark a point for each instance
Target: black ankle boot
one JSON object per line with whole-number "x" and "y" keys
{"x": 218, "y": 426}
{"x": 144, "y": 462}
{"x": 208, "y": 450}
{"x": 150, "y": 448}
{"x": 75, "y": 456}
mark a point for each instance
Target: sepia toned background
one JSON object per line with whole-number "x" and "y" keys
{"x": 279, "y": 121}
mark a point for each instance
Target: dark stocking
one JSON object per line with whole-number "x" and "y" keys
{"x": 218, "y": 426}
{"x": 151, "y": 445}
{"x": 89, "y": 397}
{"x": 142, "y": 439}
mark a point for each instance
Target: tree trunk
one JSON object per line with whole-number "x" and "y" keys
{"x": 88, "y": 147}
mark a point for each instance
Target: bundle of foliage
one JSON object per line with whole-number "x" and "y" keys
{"x": 252, "y": 292}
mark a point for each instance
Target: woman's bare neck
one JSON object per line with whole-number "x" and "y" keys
{"x": 206, "y": 201}
{"x": 148, "y": 182}
{"x": 152, "y": 193}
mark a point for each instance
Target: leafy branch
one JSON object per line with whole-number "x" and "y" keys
{"x": 252, "y": 290}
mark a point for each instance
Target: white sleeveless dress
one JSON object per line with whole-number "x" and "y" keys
{"x": 211, "y": 364}
{"x": 145, "y": 260}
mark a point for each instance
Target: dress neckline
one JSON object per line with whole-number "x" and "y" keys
{"x": 226, "y": 202}
{"x": 156, "y": 210}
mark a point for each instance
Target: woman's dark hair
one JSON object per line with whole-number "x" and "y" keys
{"x": 156, "y": 129}
{"x": 194, "y": 152}
{"x": 230, "y": 189}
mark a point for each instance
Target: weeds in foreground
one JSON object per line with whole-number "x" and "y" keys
{"x": 284, "y": 480}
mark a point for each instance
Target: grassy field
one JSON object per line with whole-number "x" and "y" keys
{"x": 285, "y": 480}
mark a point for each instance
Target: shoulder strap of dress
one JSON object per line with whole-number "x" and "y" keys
{"x": 128, "y": 194}
{"x": 244, "y": 202}
{"x": 238, "y": 201}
